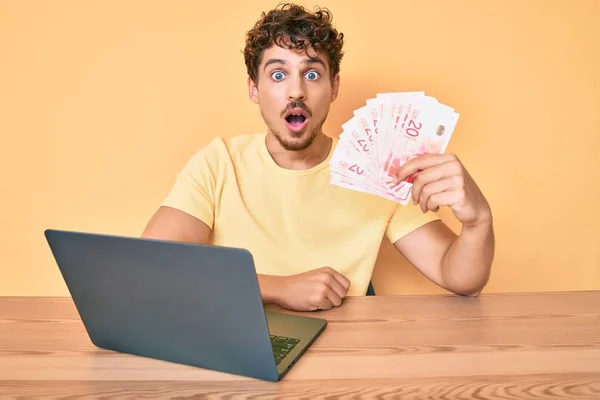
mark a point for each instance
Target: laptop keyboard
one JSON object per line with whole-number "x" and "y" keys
{"x": 282, "y": 346}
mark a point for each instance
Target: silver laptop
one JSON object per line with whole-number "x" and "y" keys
{"x": 191, "y": 304}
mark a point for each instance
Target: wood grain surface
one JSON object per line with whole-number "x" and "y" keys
{"x": 497, "y": 346}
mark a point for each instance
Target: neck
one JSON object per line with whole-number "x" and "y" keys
{"x": 313, "y": 155}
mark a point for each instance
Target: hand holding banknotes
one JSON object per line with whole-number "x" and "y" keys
{"x": 319, "y": 289}
{"x": 442, "y": 180}
{"x": 394, "y": 147}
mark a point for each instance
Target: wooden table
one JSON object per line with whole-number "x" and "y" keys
{"x": 511, "y": 346}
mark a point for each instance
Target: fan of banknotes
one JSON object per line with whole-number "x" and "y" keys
{"x": 383, "y": 135}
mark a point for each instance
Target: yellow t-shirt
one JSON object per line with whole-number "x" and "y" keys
{"x": 291, "y": 221}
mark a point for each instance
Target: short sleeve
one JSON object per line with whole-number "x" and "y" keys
{"x": 194, "y": 189}
{"x": 407, "y": 218}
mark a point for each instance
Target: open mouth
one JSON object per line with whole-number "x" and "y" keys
{"x": 296, "y": 119}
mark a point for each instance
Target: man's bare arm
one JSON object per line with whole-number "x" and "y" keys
{"x": 460, "y": 264}
{"x": 172, "y": 224}
{"x": 322, "y": 288}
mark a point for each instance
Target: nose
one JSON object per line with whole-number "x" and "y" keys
{"x": 296, "y": 89}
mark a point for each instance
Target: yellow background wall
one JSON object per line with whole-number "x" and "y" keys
{"x": 102, "y": 101}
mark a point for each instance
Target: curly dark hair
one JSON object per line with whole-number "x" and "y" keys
{"x": 292, "y": 26}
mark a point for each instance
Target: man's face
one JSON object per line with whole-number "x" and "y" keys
{"x": 294, "y": 93}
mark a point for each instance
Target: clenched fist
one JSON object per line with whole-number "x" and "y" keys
{"x": 319, "y": 289}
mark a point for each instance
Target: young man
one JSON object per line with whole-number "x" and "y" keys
{"x": 315, "y": 243}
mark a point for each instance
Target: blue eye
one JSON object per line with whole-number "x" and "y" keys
{"x": 312, "y": 75}
{"x": 278, "y": 75}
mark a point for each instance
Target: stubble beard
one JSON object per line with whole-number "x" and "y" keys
{"x": 295, "y": 145}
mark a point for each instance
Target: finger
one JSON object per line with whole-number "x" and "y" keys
{"x": 345, "y": 282}
{"x": 447, "y": 198}
{"x": 433, "y": 174}
{"x": 337, "y": 287}
{"x": 327, "y": 278}
{"x": 422, "y": 162}
{"x": 322, "y": 301}
{"x": 435, "y": 187}
{"x": 333, "y": 297}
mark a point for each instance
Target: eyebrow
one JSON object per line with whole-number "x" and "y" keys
{"x": 311, "y": 60}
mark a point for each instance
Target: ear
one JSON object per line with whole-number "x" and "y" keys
{"x": 335, "y": 87}
{"x": 252, "y": 91}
